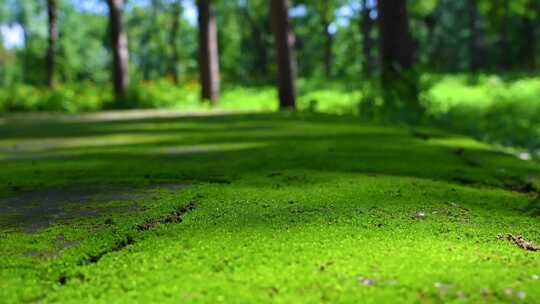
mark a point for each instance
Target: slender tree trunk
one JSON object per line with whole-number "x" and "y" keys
{"x": 474, "y": 37}
{"x": 366, "y": 26}
{"x": 120, "y": 51}
{"x": 208, "y": 52}
{"x": 430, "y": 21}
{"x": 530, "y": 56}
{"x": 531, "y": 33}
{"x": 399, "y": 80}
{"x": 328, "y": 54}
{"x": 505, "y": 44}
{"x": 173, "y": 65}
{"x": 328, "y": 40}
{"x": 397, "y": 47}
{"x": 53, "y": 37}
{"x": 286, "y": 62}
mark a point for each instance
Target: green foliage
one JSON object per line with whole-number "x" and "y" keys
{"x": 72, "y": 98}
{"x": 82, "y": 61}
{"x": 420, "y": 8}
{"x": 490, "y": 108}
{"x": 441, "y": 29}
{"x": 163, "y": 94}
{"x": 487, "y": 107}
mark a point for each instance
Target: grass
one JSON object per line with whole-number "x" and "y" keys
{"x": 283, "y": 208}
{"x": 498, "y": 109}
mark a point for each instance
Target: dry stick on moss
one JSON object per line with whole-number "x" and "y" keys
{"x": 173, "y": 217}
{"x": 520, "y": 241}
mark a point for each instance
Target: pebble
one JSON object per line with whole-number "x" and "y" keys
{"x": 366, "y": 281}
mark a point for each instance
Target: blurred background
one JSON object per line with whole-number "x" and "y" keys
{"x": 474, "y": 63}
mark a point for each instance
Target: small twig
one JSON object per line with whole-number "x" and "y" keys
{"x": 519, "y": 241}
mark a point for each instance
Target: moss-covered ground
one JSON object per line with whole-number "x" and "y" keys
{"x": 285, "y": 208}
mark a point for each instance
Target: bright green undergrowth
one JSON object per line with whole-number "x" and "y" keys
{"x": 296, "y": 208}
{"x": 504, "y": 110}
{"x": 83, "y": 97}
{"x": 488, "y": 107}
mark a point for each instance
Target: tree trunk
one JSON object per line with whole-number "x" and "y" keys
{"x": 505, "y": 44}
{"x": 474, "y": 37}
{"x": 173, "y": 65}
{"x": 530, "y": 56}
{"x": 430, "y": 21}
{"x": 286, "y": 62}
{"x": 53, "y": 37}
{"x": 366, "y": 26}
{"x": 399, "y": 80}
{"x": 531, "y": 33}
{"x": 396, "y": 42}
{"x": 119, "y": 42}
{"x": 328, "y": 53}
{"x": 208, "y": 52}
{"x": 328, "y": 40}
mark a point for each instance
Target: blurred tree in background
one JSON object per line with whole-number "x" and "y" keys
{"x": 208, "y": 51}
{"x": 52, "y": 12}
{"x": 336, "y": 38}
{"x": 338, "y": 43}
{"x": 284, "y": 40}
{"x": 120, "y": 51}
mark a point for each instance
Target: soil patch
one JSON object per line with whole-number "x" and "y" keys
{"x": 32, "y": 211}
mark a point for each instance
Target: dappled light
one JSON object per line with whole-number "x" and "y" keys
{"x": 303, "y": 180}
{"x": 269, "y": 151}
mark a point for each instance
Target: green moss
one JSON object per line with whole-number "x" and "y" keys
{"x": 289, "y": 208}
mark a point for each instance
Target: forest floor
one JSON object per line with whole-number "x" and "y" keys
{"x": 254, "y": 208}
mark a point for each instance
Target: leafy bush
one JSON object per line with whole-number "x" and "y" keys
{"x": 488, "y": 107}
{"x": 492, "y": 109}
{"x": 66, "y": 98}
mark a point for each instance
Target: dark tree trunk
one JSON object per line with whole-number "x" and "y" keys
{"x": 531, "y": 28}
{"x": 430, "y": 22}
{"x": 173, "y": 65}
{"x": 530, "y": 56}
{"x": 286, "y": 62}
{"x": 328, "y": 54}
{"x": 399, "y": 80}
{"x": 208, "y": 52}
{"x": 328, "y": 40}
{"x": 474, "y": 36}
{"x": 328, "y": 51}
{"x": 397, "y": 47}
{"x": 119, "y": 42}
{"x": 366, "y": 28}
{"x": 53, "y": 37}
{"x": 505, "y": 44}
